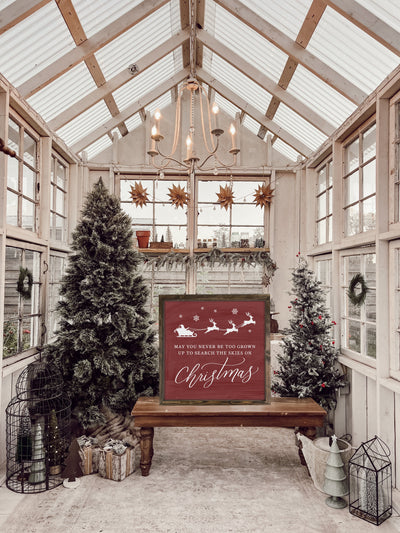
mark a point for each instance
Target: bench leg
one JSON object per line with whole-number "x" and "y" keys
{"x": 146, "y": 448}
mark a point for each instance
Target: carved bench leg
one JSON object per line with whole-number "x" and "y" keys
{"x": 146, "y": 447}
{"x": 307, "y": 431}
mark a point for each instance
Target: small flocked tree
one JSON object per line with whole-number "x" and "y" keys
{"x": 308, "y": 362}
{"x": 104, "y": 347}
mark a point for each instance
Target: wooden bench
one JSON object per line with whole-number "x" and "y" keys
{"x": 303, "y": 413}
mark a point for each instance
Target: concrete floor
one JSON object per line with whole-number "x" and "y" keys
{"x": 225, "y": 480}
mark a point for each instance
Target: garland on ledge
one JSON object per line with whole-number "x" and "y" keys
{"x": 24, "y": 283}
{"x": 211, "y": 258}
{"x": 357, "y": 298}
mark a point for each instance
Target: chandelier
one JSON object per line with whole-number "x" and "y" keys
{"x": 207, "y": 116}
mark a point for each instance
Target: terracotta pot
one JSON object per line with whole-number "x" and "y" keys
{"x": 143, "y": 238}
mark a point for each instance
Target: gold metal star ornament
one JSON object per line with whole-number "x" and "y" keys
{"x": 263, "y": 195}
{"x": 179, "y": 197}
{"x": 225, "y": 196}
{"x": 139, "y": 194}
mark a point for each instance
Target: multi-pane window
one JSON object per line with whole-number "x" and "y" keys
{"x": 359, "y": 321}
{"x": 360, "y": 182}
{"x": 324, "y": 203}
{"x": 21, "y": 314}
{"x": 22, "y": 177}
{"x": 229, "y": 280}
{"x": 56, "y": 272}
{"x": 58, "y": 217}
{"x": 323, "y": 272}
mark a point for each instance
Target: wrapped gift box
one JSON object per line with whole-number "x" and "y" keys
{"x": 117, "y": 467}
{"x": 90, "y": 455}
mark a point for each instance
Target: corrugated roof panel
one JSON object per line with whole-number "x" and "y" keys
{"x": 95, "y": 17}
{"x": 144, "y": 82}
{"x": 285, "y": 149}
{"x": 253, "y": 47}
{"x": 287, "y": 16}
{"x": 297, "y": 126}
{"x": 320, "y": 97}
{"x": 97, "y": 147}
{"x": 251, "y": 124}
{"x": 33, "y": 44}
{"x": 63, "y": 92}
{"x": 387, "y": 10}
{"x": 161, "y": 102}
{"x": 351, "y": 52}
{"x": 235, "y": 80}
{"x": 226, "y": 106}
{"x": 133, "y": 122}
{"x": 88, "y": 121}
{"x": 132, "y": 45}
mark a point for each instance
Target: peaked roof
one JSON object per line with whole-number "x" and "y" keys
{"x": 295, "y": 68}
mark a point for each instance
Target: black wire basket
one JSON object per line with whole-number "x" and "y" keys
{"x": 38, "y": 422}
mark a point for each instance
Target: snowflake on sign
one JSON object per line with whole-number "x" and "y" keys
{"x": 196, "y": 318}
{"x": 234, "y": 311}
{"x": 180, "y": 316}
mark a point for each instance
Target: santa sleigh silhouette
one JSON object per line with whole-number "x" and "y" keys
{"x": 184, "y": 332}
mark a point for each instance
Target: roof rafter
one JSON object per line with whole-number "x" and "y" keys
{"x": 368, "y": 22}
{"x": 117, "y": 81}
{"x": 74, "y": 25}
{"x": 131, "y": 110}
{"x": 294, "y": 50}
{"x": 265, "y": 82}
{"x": 91, "y": 45}
{"x": 18, "y": 11}
{"x": 239, "y": 102}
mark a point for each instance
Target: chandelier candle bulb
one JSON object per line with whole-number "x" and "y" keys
{"x": 188, "y": 147}
{"x": 215, "y": 110}
{"x": 232, "y": 130}
{"x": 157, "y": 117}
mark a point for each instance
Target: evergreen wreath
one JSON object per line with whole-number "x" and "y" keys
{"x": 24, "y": 283}
{"x": 357, "y": 298}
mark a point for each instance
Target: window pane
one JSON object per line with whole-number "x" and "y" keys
{"x": 351, "y": 220}
{"x": 352, "y": 266}
{"x": 12, "y": 208}
{"x": 329, "y": 193}
{"x": 29, "y": 149}
{"x": 60, "y": 201}
{"x": 61, "y": 173}
{"x": 352, "y": 188}
{"x": 29, "y": 182}
{"x": 321, "y": 228}
{"x": 369, "y": 213}
{"x": 370, "y": 306}
{"x": 352, "y": 156}
{"x": 246, "y": 214}
{"x": 353, "y": 311}
{"x": 12, "y": 173}
{"x": 322, "y": 180}
{"x": 10, "y": 336}
{"x": 330, "y": 174}
{"x": 217, "y": 216}
{"x": 28, "y": 215}
{"x": 371, "y": 341}
{"x": 369, "y": 173}
{"x": 138, "y": 214}
{"x": 354, "y": 336}
{"x": 208, "y": 190}
{"x": 13, "y": 135}
{"x": 369, "y": 143}
{"x": 166, "y": 214}
{"x": 321, "y": 206}
{"x": 178, "y": 234}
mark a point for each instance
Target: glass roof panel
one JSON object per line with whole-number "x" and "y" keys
{"x": 133, "y": 122}
{"x": 285, "y": 149}
{"x": 387, "y": 10}
{"x": 129, "y": 47}
{"x": 88, "y": 121}
{"x": 320, "y": 97}
{"x": 63, "y": 92}
{"x": 235, "y": 80}
{"x": 351, "y": 52}
{"x": 160, "y": 103}
{"x": 144, "y": 82}
{"x": 287, "y": 16}
{"x": 26, "y": 48}
{"x": 253, "y": 47}
{"x": 98, "y": 146}
{"x": 93, "y": 20}
{"x": 297, "y": 126}
{"x": 226, "y": 106}
{"x": 251, "y": 124}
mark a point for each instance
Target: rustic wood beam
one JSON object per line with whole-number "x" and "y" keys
{"x": 265, "y": 82}
{"x": 18, "y": 11}
{"x": 130, "y": 111}
{"x": 89, "y": 47}
{"x": 368, "y": 22}
{"x": 246, "y": 107}
{"x": 294, "y": 50}
{"x": 117, "y": 81}
{"x": 184, "y": 6}
{"x": 200, "y": 11}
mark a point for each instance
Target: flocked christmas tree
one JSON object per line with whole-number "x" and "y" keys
{"x": 104, "y": 347}
{"x": 308, "y": 362}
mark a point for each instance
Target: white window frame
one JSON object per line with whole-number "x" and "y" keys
{"x": 394, "y": 298}
{"x": 328, "y": 166}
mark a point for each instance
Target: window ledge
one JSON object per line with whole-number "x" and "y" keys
{"x": 199, "y": 250}
{"x": 361, "y": 367}
{"x": 17, "y": 362}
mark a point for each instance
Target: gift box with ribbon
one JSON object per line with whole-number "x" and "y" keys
{"x": 90, "y": 454}
{"x": 117, "y": 461}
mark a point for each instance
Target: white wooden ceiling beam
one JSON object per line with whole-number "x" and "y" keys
{"x": 18, "y": 11}
{"x": 130, "y": 111}
{"x": 117, "y": 81}
{"x": 239, "y": 102}
{"x": 294, "y": 50}
{"x": 90, "y": 46}
{"x": 368, "y": 22}
{"x": 265, "y": 82}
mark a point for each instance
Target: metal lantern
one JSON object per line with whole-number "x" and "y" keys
{"x": 370, "y": 476}
{"x": 37, "y": 430}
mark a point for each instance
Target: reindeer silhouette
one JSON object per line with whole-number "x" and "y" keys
{"x": 231, "y": 329}
{"x": 214, "y": 326}
{"x": 249, "y": 321}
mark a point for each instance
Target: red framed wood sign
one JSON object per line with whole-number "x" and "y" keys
{"x": 214, "y": 349}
